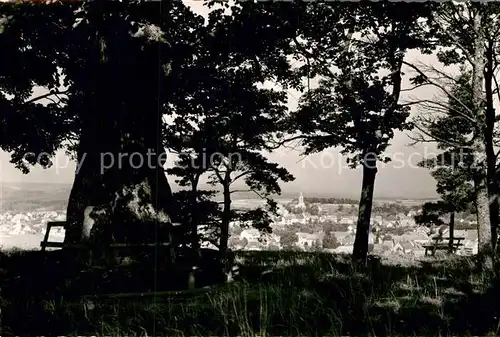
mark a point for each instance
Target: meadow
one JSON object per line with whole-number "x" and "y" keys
{"x": 273, "y": 293}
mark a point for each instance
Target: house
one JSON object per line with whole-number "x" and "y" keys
{"x": 471, "y": 235}
{"x": 403, "y": 247}
{"x": 347, "y": 220}
{"x": 306, "y": 239}
{"x": 470, "y": 242}
{"x": 348, "y": 239}
{"x": 302, "y": 219}
{"x": 405, "y": 222}
{"x": 381, "y": 249}
{"x": 314, "y": 218}
{"x": 340, "y": 235}
{"x": 347, "y": 249}
{"x": 417, "y": 238}
{"x": 272, "y": 240}
{"x": 253, "y": 246}
{"x": 288, "y": 219}
{"x": 282, "y": 210}
{"x": 469, "y": 248}
{"x": 251, "y": 235}
{"x": 411, "y": 214}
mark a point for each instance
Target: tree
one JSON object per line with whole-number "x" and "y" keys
{"x": 467, "y": 35}
{"x": 452, "y": 169}
{"x": 330, "y": 241}
{"x": 273, "y": 247}
{"x": 189, "y": 170}
{"x": 288, "y": 240}
{"x": 244, "y": 243}
{"x": 316, "y": 246}
{"x": 225, "y": 123}
{"x": 236, "y": 230}
{"x": 313, "y": 210}
{"x": 356, "y": 108}
{"x": 204, "y": 210}
{"x": 108, "y": 56}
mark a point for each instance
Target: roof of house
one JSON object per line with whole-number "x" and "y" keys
{"x": 406, "y": 245}
{"x": 348, "y": 238}
{"x": 344, "y": 249}
{"x": 380, "y": 247}
{"x": 471, "y": 234}
{"x": 414, "y": 236}
{"x": 339, "y": 235}
{"x": 251, "y": 231}
{"x": 307, "y": 236}
{"x": 253, "y": 244}
{"x": 468, "y": 234}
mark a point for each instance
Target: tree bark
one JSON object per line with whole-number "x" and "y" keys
{"x": 493, "y": 189}
{"x": 226, "y": 215}
{"x": 195, "y": 241}
{"x": 480, "y": 158}
{"x": 452, "y": 230}
{"x": 121, "y": 157}
{"x": 360, "y": 250}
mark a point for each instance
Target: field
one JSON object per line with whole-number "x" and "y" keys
{"x": 276, "y": 293}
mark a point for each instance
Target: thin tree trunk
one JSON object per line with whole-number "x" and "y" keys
{"x": 195, "y": 241}
{"x": 480, "y": 159}
{"x": 452, "y": 230}
{"x": 226, "y": 216}
{"x": 360, "y": 250}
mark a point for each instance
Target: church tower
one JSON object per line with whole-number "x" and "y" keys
{"x": 301, "y": 203}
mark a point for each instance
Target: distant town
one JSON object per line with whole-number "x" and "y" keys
{"x": 306, "y": 224}
{"x": 329, "y": 225}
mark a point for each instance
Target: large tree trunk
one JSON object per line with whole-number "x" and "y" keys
{"x": 483, "y": 214}
{"x": 360, "y": 250}
{"x": 485, "y": 247}
{"x": 493, "y": 189}
{"x": 120, "y": 172}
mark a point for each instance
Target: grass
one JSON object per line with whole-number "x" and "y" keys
{"x": 276, "y": 294}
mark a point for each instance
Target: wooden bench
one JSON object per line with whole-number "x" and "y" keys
{"x": 441, "y": 244}
{"x": 51, "y": 224}
{"x": 45, "y": 243}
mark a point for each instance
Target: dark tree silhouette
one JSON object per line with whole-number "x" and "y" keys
{"x": 115, "y": 61}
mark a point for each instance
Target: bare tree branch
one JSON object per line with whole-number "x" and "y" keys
{"x": 439, "y": 107}
{"x": 438, "y": 139}
{"x": 447, "y": 92}
{"x": 34, "y": 99}
{"x": 455, "y": 39}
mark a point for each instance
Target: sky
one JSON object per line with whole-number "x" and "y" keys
{"x": 323, "y": 173}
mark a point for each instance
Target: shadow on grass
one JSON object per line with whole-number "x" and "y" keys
{"x": 277, "y": 293}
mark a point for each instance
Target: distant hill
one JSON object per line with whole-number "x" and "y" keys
{"x": 22, "y": 196}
